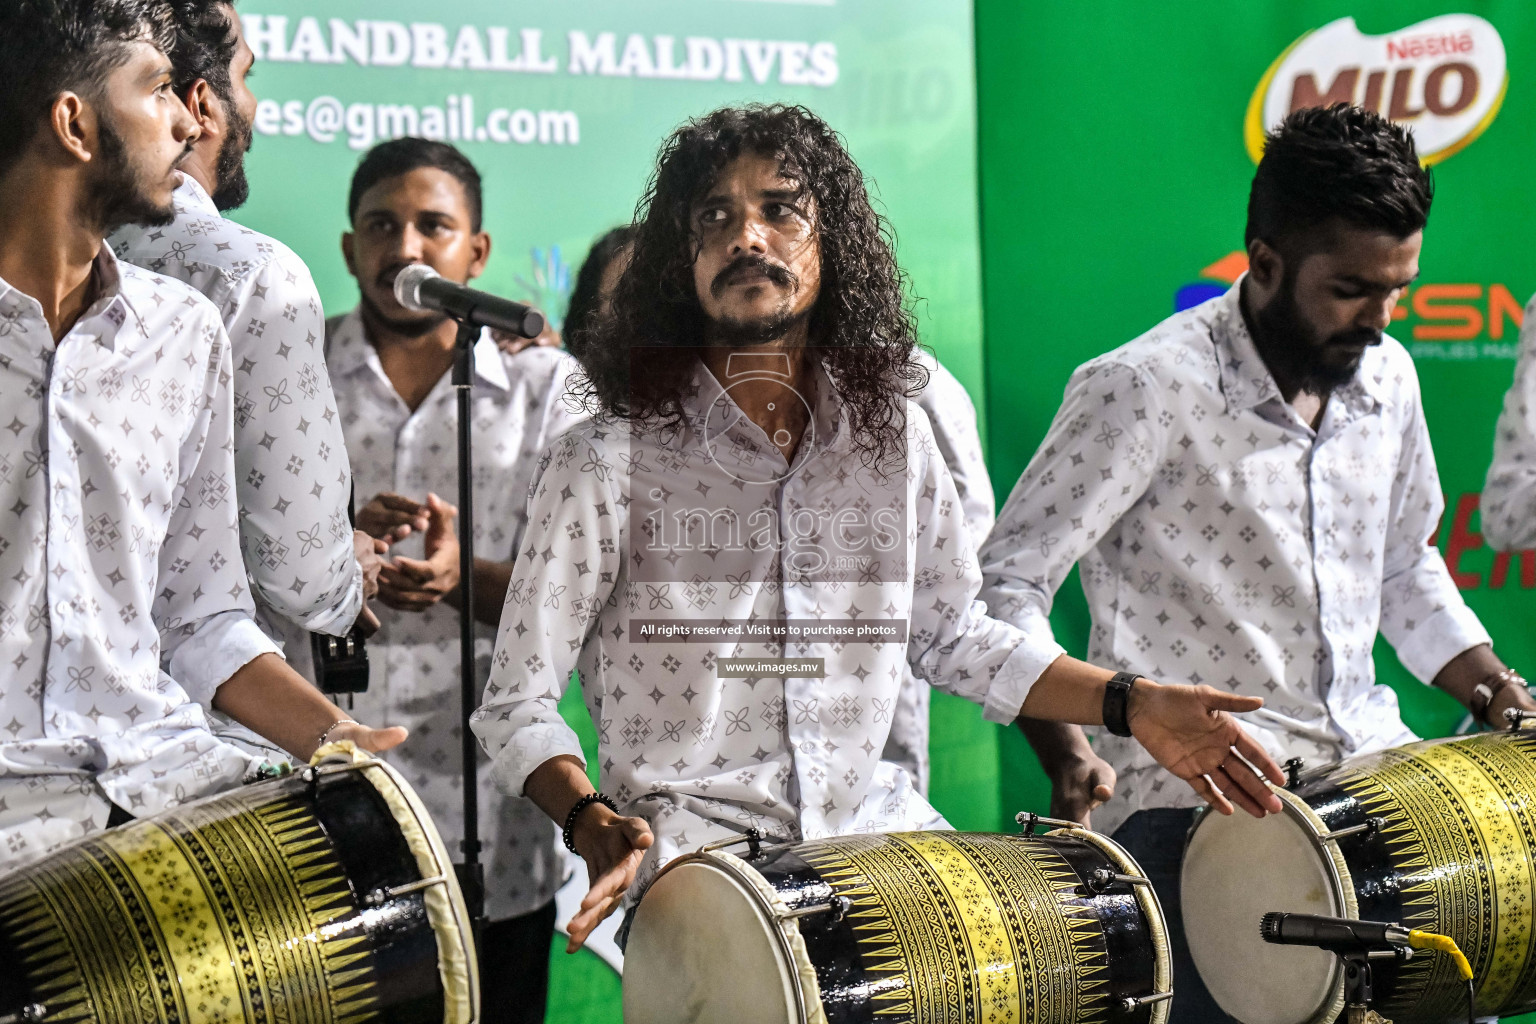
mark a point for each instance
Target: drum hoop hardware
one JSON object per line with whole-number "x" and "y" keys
{"x": 26, "y": 1015}
{"x": 1293, "y": 769}
{"x": 384, "y": 894}
{"x": 1131, "y": 1004}
{"x": 1100, "y": 879}
{"x": 1516, "y": 718}
{"x": 1029, "y": 820}
{"x": 752, "y": 837}
{"x": 1368, "y": 827}
{"x": 837, "y": 906}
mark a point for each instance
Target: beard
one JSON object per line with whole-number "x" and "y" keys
{"x": 1293, "y": 349}
{"x": 118, "y": 192}
{"x": 417, "y": 327}
{"x": 232, "y": 188}
{"x": 736, "y": 332}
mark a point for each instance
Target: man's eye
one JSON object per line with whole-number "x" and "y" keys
{"x": 712, "y": 216}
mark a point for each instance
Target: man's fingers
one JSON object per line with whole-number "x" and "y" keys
{"x": 368, "y": 622}
{"x": 408, "y": 570}
{"x": 1218, "y": 700}
{"x": 1101, "y": 795}
{"x": 1207, "y": 789}
{"x": 1234, "y": 791}
{"x": 1249, "y": 784}
{"x": 1249, "y": 750}
{"x": 398, "y": 502}
{"x": 638, "y": 832}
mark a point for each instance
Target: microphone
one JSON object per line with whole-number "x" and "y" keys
{"x": 421, "y": 288}
{"x": 1335, "y": 934}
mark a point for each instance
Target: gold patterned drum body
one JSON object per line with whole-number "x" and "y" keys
{"x": 320, "y": 898}
{"x": 954, "y": 927}
{"x": 1438, "y": 835}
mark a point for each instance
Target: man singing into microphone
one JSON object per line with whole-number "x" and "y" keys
{"x": 756, "y": 537}
{"x": 415, "y": 202}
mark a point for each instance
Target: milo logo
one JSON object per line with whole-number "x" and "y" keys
{"x": 1445, "y": 78}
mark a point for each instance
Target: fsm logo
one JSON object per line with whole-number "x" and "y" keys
{"x": 1459, "y": 320}
{"x": 1445, "y": 78}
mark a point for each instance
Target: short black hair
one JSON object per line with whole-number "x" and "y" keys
{"x": 586, "y": 293}
{"x": 205, "y": 45}
{"x": 52, "y": 46}
{"x": 1338, "y": 163}
{"x": 402, "y": 156}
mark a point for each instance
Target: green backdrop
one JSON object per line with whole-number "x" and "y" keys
{"x": 1112, "y": 173}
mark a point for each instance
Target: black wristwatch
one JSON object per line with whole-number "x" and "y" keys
{"x": 1117, "y": 701}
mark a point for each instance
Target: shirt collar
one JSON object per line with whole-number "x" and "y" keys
{"x": 112, "y": 306}
{"x": 712, "y": 412}
{"x": 349, "y": 350}
{"x": 191, "y": 197}
{"x": 1246, "y": 381}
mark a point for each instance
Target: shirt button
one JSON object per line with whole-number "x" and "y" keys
{"x": 62, "y": 607}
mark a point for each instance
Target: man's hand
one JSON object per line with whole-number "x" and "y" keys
{"x": 512, "y": 344}
{"x": 373, "y": 740}
{"x": 612, "y": 847}
{"x": 368, "y": 551}
{"x": 1190, "y": 732}
{"x": 392, "y": 517}
{"x": 1079, "y": 785}
{"x": 1512, "y": 696}
{"x": 413, "y": 585}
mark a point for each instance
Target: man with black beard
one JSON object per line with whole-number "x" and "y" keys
{"x": 308, "y": 568}
{"x": 124, "y": 611}
{"x": 1249, "y": 492}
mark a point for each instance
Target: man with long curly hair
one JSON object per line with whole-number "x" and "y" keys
{"x": 756, "y": 536}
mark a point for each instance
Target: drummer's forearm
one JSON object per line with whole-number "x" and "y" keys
{"x": 1461, "y": 676}
{"x": 1056, "y": 744}
{"x": 1069, "y": 691}
{"x": 556, "y": 785}
{"x": 271, "y": 699}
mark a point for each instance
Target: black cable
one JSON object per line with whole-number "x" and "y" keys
{"x": 1471, "y": 1004}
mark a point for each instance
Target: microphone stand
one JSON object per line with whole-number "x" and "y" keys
{"x": 471, "y": 873}
{"x": 1357, "y": 982}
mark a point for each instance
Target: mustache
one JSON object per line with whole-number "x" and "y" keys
{"x": 752, "y": 262}
{"x": 1359, "y": 336}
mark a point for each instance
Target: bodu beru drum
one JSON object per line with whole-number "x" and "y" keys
{"x": 1437, "y": 835}
{"x": 964, "y": 928}
{"x": 325, "y": 897}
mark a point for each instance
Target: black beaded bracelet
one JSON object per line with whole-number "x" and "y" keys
{"x": 581, "y": 805}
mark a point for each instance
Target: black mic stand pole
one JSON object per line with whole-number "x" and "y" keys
{"x": 471, "y": 872}
{"x": 1358, "y": 994}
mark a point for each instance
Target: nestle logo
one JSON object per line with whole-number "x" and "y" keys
{"x": 1419, "y": 47}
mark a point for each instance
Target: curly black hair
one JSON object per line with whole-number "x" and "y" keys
{"x": 861, "y": 327}
{"x": 205, "y": 45}
{"x": 1340, "y": 162}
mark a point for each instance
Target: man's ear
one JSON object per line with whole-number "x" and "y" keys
{"x": 204, "y": 106}
{"x": 75, "y": 126}
{"x": 1266, "y": 267}
{"x": 481, "y": 245}
{"x": 346, "y": 252}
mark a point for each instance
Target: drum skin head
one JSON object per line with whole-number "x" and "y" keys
{"x": 1237, "y": 868}
{"x": 724, "y": 967}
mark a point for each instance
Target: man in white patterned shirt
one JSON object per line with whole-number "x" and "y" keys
{"x": 1509, "y": 494}
{"x": 952, "y": 416}
{"x": 303, "y": 558}
{"x": 417, "y": 201}
{"x": 756, "y": 487}
{"x": 1250, "y": 493}
{"x": 124, "y": 611}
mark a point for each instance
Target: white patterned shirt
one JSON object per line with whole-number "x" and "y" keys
{"x": 414, "y": 657}
{"x": 953, "y": 418}
{"x": 123, "y": 604}
{"x": 1509, "y": 494}
{"x": 1220, "y": 540}
{"x": 637, "y": 533}
{"x": 290, "y": 459}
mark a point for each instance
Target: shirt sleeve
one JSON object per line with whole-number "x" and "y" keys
{"x": 1422, "y": 613}
{"x": 294, "y": 480}
{"x": 953, "y": 416}
{"x": 203, "y": 609}
{"x": 1097, "y": 460}
{"x": 562, "y": 578}
{"x": 953, "y": 643}
{"x": 1509, "y": 495}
